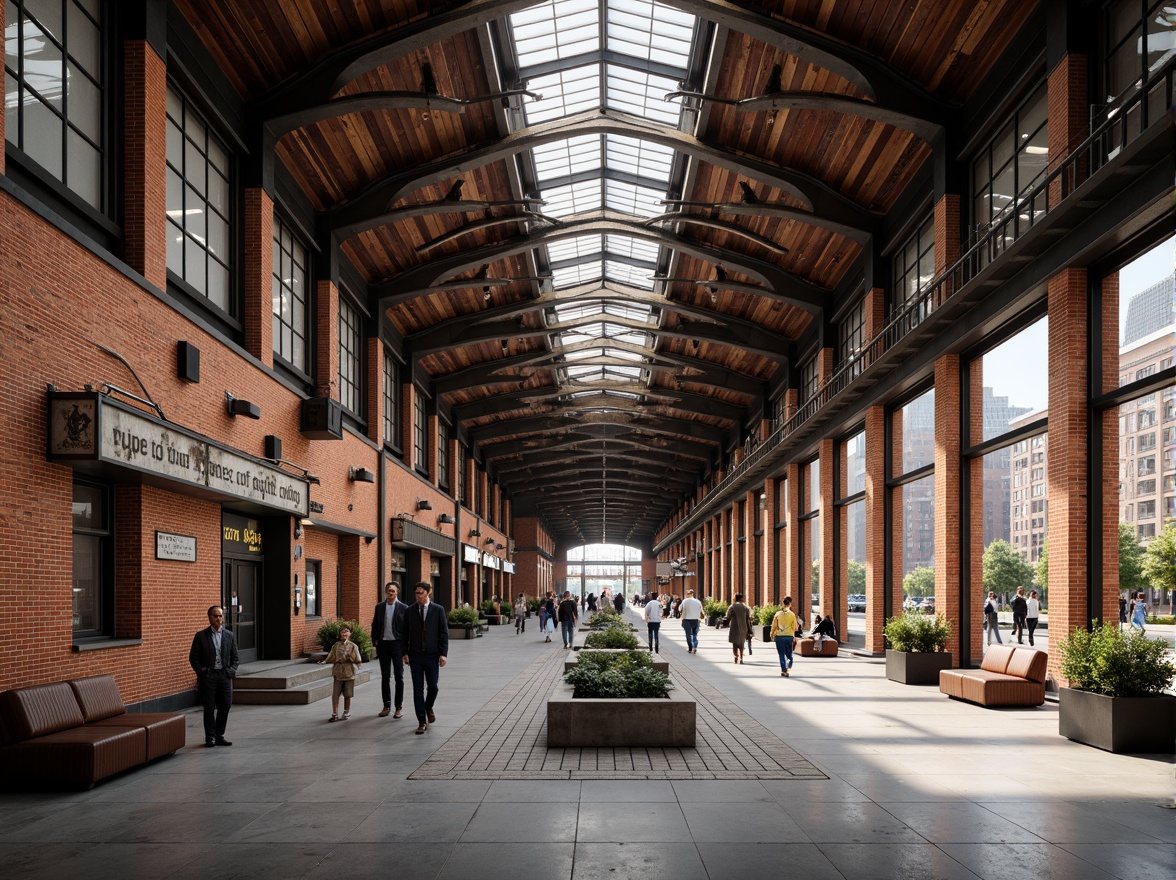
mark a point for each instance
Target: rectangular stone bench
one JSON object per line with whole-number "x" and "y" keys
{"x": 620, "y": 723}
{"x": 807, "y": 647}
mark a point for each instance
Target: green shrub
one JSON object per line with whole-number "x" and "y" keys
{"x": 328, "y": 634}
{"x": 629, "y": 674}
{"x": 1106, "y": 660}
{"x": 463, "y": 617}
{"x": 487, "y": 608}
{"x": 711, "y": 607}
{"x": 765, "y": 614}
{"x": 1162, "y": 619}
{"x": 918, "y": 633}
{"x": 534, "y": 603}
{"x": 613, "y": 637}
{"x": 605, "y": 619}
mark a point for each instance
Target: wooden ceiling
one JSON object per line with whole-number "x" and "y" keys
{"x": 781, "y": 196}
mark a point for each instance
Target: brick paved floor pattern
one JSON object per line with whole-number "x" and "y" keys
{"x": 507, "y": 739}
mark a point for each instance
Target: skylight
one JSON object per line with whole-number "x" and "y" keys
{"x": 556, "y": 30}
{"x": 632, "y": 25}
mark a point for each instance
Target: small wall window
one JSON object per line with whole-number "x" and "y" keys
{"x": 851, "y": 337}
{"x": 53, "y": 90}
{"x": 391, "y": 401}
{"x": 289, "y": 288}
{"x": 350, "y": 358}
{"x": 913, "y": 266}
{"x": 442, "y": 455}
{"x": 809, "y": 379}
{"x": 314, "y": 579}
{"x": 419, "y": 432}
{"x": 1011, "y": 163}
{"x": 93, "y": 561}
{"x": 198, "y": 203}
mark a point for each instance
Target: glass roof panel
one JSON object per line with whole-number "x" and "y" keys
{"x": 575, "y": 198}
{"x": 566, "y": 157}
{"x": 642, "y": 94}
{"x": 572, "y": 311}
{"x": 633, "y": 23}
{"x": 635, "y": 276}
{"x": 579, "y": 273}
{"x": 572, "y": 248}
{"x": 643, "y": 158}
{"x": 555, "y": 30}
{"x": 633, "y": 312}
{"x": 636, "y": 248}
{"x": 565, "y": 92}
{"x": 632, "y": 199}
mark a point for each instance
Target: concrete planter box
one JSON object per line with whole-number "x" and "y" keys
{"x": 605, "y": 723}
{"x": 908, "y": 667}
{"x": 659, "y": 665}
{"x": 1128, "y": 725}
{"x": 463, "y": 632}
{"x": 497, "y": 619}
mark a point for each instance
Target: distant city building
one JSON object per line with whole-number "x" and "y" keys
{"x": 1150, "y": 311}
{"x": 1029, "y": 499}
{"x": 999, "y": 416}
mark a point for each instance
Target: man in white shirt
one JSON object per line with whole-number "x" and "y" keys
{"x": 691, "y": 612}
{"x": 653, "y": 622}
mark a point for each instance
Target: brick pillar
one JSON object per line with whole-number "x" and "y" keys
{"x": 974, "y": 564}
{"x": 947, "y": 239}
{"x": 1110, "y": 445}
{"x": 326, "y": 349}
{"x": 1068, "y": 104}
{"x": 753, "y": 522}
{"x": 353, "y": 572}
{"x": 876, "y": 611}
{"x": 793, "y": 565}
{"x": 772, "y": 549}
{"x": 375, "y": 390}
{"x": 3, "y": 9}
{"x": 875, "y": 312}
{"x": 144, "y": 161}
{"x": 830, "y": 560}
{"x": 948, "y": 510}
{"x": 258, "y": 306}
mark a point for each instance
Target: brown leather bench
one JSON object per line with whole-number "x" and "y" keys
{"x": 807, "y": 647}
{"x": 1008, "y": 676}
{"x": 76, "y": 733}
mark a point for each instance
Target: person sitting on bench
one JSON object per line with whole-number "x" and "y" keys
{"x": 823, "y": 629}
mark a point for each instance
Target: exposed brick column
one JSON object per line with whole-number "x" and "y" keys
{"x": 947, "y": 239}
{"x": 876, "y": 612}
{"x": 259, "y": 270}
{"x": 752, "y": 523}
{"x": 144, "y": 161}
{"x": 375, "y": 390}
{"x": 1109, "y": 301}
{"x": 793, "y": 565}
{"x": 3, "y": 8}
{"x": 327, "y": 341}
{"x": 1069, "y": 124}
{"x": 974, "y": 564}
{"x": 772, "y": 554}
{"x": 948, "y": 510}
{"x": 875, "y": 312}
{"x": 829, "y": 558}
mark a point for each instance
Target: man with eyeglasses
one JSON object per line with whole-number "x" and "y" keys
{"x": 214, "y": 659}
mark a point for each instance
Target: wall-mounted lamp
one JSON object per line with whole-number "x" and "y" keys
{"x": 360, "y": 475}
{"x": 444, "y": 519}
{"x": 488, "y": 541}
{"x": 474, "y": 533}
{"x": 424, "y": 505}
{"x": 499, "y": 547}
{"x": 237, "y": 407}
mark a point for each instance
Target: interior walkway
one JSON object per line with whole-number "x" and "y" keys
{"x": 918, "y": 786}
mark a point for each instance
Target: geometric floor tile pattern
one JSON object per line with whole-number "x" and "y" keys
{"x": 507, "y": 739}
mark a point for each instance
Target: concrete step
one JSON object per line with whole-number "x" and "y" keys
{"x": 294, "y": 683}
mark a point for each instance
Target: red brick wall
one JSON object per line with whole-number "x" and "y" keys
{"x": 829, "y": 515}
{"x": 948, "y": 510}
{"x": 876, "y": 612}
{"x": 1069, "y": 125}
{"x": 259, "y": 269}
{"x": 144, "y": 161}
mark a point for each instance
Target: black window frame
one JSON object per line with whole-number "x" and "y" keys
{"x": 315, "y": 566}
{"x": 278, "y": 285}
{"x": 420, "y": 432}
{"x": 906, "y": 262}
{"x": 351, "y": 352}
{"x": 106, "y": 564}
{"x": 442, "y": 454}
{"x": 393, "y": 418}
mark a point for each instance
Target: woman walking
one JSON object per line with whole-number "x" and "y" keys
{"x": 783, "y": 633}
{"x": 1139, "y": 613}
{"x": 738, "y": 626}
{"x": 1032, "y": 613}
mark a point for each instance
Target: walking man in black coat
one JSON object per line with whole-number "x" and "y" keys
{"x": 387, "y": 634}
{"x": 214, "y": 660}
{"x": 426, "y": 641}
{"x": 1020, "y": 608}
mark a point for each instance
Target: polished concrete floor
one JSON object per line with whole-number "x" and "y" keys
{"x": 919, "y": 786}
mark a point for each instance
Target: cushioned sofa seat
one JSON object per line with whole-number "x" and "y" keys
{"x": 78, "y": 756}
{"x": 808, "y": 648}
{"x": 1008, "y": 676}
{"x": 102, "y": 706}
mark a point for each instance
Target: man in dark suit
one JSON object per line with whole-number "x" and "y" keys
{"x": 387, "y": 633}
{"x": 214, "y": 659}
{"x": 426, "y": 644}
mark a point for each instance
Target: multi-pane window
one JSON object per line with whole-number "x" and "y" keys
{"x": 420, "y": 423}
{"x": 809, "y": 379}
{"x": 462, "y": 493}
{"x": 391, "y": 401}
{"x": 289, "y": 289}
{"x": 851, "y": 337}
{"x": 1011, "y": 164}
{"x": 350, "y": 358}
{"x": 53, "y": 90}
{"x": 913, "y": 265}
{"x": 199, "y": 229}
{"x": 93, "y": 561}
{"x": 1138, "y": 43}
{"x": 442, "y": 455}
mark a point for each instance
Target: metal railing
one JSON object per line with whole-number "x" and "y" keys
{"x": 1124, "y": 123}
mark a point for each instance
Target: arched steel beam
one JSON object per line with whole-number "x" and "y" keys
{"x": 370, "y": 208}
{"x": 722, "y": 226}
{"x": 700, "y": 452}
{"x": 488, "y": 223}
{"x": 580, "y": 474}
{"x": 503, "y": 403}
{"x": 650, "y": 424}
{"x": 583, "y": 451}
{"x": 780, "y": 284}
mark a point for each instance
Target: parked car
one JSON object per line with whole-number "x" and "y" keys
{"x": 856, "y": 602}
{"x": 928, "y": 606}
{"x": 912, "y": 603}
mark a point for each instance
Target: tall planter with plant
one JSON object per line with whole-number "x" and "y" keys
{"x": 328, "y": 634}
{"x": 918, "y": 648}
{"x": 763, "y": 619}
{"x": 1115, "y": 699}
{"x": 714, "y": 611}
{"x": 463, "y": 623}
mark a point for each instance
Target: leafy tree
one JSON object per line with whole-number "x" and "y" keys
{"x": 1131, "y": 556}
{"x": 816, "y": 574}
{"x": 919, "y": 582}
{"x": 857, "y": 578}
{"x": 1004, "y": 568}
{"x": 1159, "y": 563}
{"x": 1041, "y": 574}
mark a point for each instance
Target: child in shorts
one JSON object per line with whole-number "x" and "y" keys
{"x": 344, "y": 654}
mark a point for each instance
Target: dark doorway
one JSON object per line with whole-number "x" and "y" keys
{"x": 242, "y": 595}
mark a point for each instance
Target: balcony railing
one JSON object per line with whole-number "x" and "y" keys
{"x": 1122, "y": 124}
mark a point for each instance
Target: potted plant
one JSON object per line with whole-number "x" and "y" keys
{"x": 918, "y": 648}
{"x": 462, "y": 622}
{"x": 714, "y": 611}
{"x": 1115, "y": 699}
{"x": 763, "y": 620}
{"x": 328, "y": 634}
{"x": 490, "y": 611}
